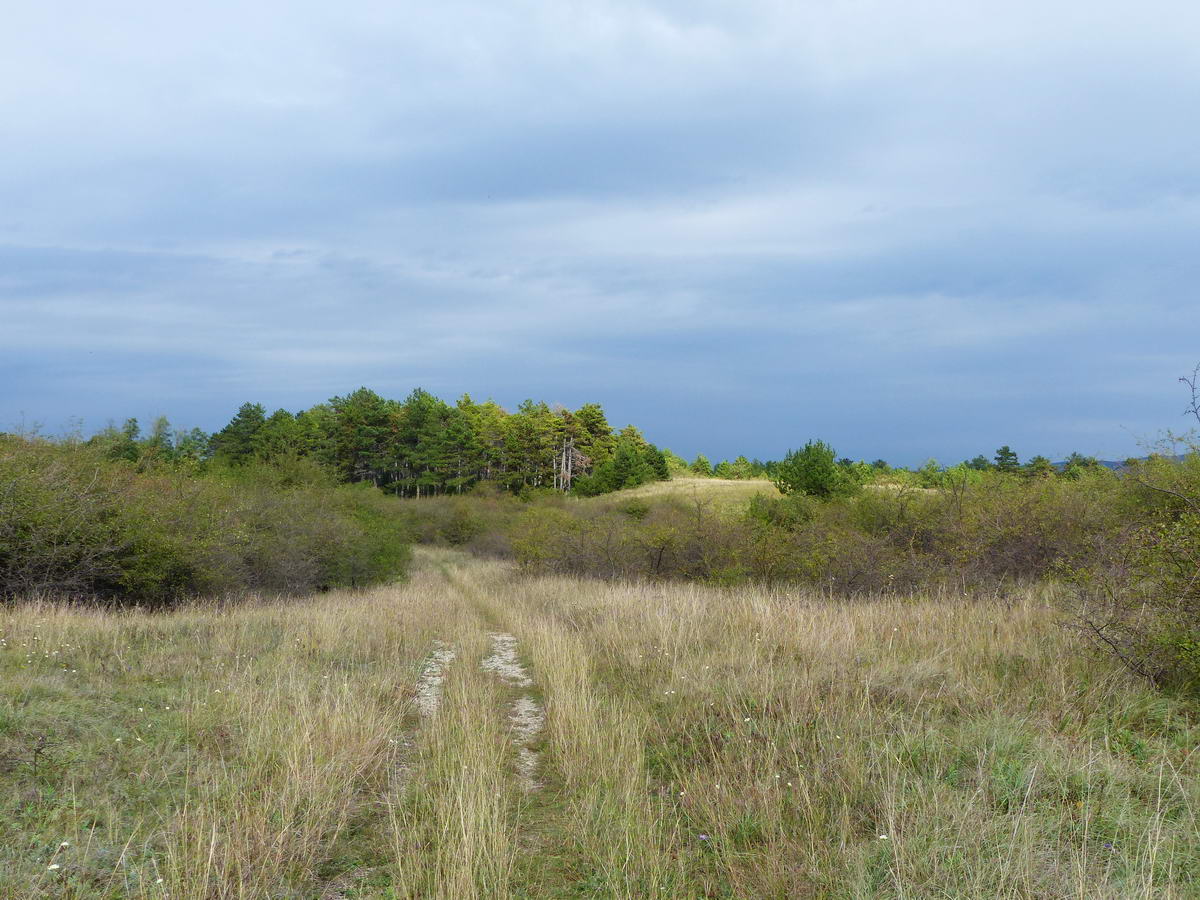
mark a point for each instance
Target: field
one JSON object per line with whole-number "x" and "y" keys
{"x": 718, "y": 491}
{"x": 628, "y": 741}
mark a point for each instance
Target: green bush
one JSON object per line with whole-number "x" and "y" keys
{"x": 541, "y": 537}
{"x": 1141, "y": 601}
{"x": 76, "y": 522}
{"x": 462, "y": 525}
{"x": 61, "y": 515}
{"x": 790, "y": 512}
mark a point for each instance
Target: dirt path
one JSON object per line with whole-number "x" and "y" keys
{"x": 526, "y": 716}
{"x": 429, "y": 684}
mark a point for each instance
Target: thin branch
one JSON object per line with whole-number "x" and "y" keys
{"x": 1193, "y": 383}
{"x": 1191, "y": 502}
{"x": 1098, "y": 633}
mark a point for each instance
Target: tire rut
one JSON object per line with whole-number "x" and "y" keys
{"x": 433, "y": 675}
{"x": 526, "y": 716}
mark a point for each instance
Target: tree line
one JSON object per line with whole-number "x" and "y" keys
{"x": 418, "y": 446}
{"x": 422, "y": 446}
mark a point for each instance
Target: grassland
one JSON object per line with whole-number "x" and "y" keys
{"x": 698, "y": 742}
{"x": 719, "y": 491}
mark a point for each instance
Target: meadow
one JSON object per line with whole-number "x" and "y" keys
{"x": 478, "y": 730}
{"x": 723, "y": 492}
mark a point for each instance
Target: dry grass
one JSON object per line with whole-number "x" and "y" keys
{"x": 699, "y": 743}
{"x": 723, "y": 491}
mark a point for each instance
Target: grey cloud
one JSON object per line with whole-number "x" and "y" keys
{"x": 916, "y": 230}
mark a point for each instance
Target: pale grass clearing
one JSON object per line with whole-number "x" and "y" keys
{"x": 724, "y": 492}
{"x": 698, "y": 742}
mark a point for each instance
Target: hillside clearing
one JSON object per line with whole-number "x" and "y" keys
{"x": 697, "y": 742}
{"x": 721, "y": 490}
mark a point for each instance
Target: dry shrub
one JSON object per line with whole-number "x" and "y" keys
{"x": 976, "y": 534}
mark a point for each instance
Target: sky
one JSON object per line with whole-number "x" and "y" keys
{"x": 912, "y": 230}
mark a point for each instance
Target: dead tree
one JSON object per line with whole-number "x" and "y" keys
{"x": 568, "y": 463}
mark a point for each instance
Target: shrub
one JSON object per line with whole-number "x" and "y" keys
{"x": 1141, "y": 601}
{"x": 977, "y": 530}
{"x": 540, "y": 536}
{"x": 76, "y": 522}
{"x": 789, "y": 512}
{"x": 462, "y": 526}
{"x": 60, "y": 519}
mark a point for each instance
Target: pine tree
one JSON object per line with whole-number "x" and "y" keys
{"x": 633, "y": 435}
{"x": 279, "y": 437}
{"x": 1007, "y": 460}
{"x": 657, "y": 462}
{"x": 812, "y": 470}
{"x": 488, "y": 421}
{"x": 235, "y": 442}
{"x": 460, "y": 455}
{"x": 191, "y": 445}
{"x": 676, "y": 464}
{"x": 530, "y": 445}
{"x": 596, "y": 438}
{"x": 363, "y": 438}
{"x": 628, "y": 467}
{"x": 315, "y": 429}
{"x": 1039, "y": 467}
{"x": 742, "y": 468}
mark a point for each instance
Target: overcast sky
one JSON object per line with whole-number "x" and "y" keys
{"x": 911, "y": 229}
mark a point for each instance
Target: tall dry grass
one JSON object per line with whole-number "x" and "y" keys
{"x": 731, "y": 492}
{"x": 700, "y": 742}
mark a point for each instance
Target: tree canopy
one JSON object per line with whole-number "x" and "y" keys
{"x": 423, "y": 445}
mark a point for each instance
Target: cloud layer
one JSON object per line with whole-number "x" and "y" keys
{"x": 910, "y": 229}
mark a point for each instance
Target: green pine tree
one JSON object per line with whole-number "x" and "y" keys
{"x": 362, "y": 442}
{"x": 1007, "y": 460}
{"x": 657, "y": 462}
{"x": 742, "y": 468}
{"x": 812, "y": 470}
{"x": 1039, "y": 467}
{"x": 596, "y": 438}
{"x": 235, "y": 442}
